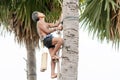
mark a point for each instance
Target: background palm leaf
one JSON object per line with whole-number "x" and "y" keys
{"x": 99, "y": 20}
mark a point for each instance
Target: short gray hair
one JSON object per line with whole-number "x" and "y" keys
{"x": 35, "y": 16}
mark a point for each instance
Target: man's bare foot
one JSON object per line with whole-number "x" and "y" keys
{"x": 53, "y": 75}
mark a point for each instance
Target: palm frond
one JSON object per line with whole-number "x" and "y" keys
{"x": 97, "y": 16}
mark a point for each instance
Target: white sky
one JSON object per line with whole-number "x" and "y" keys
{"x": 96, "y": 61}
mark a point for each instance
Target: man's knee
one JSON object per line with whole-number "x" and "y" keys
{"x": 60, "y": 41}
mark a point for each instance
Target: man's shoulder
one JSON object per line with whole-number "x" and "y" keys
{"x": 39, "y": 24}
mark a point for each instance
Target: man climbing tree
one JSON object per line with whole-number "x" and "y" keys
{"x": 44, "y": 30}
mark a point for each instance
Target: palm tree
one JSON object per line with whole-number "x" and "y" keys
{"x": 69, "y": 68}
{"x": 16, "y": 17}
{"x": 102, "y": 19}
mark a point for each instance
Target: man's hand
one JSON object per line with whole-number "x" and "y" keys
{"x": 60, "y": 27}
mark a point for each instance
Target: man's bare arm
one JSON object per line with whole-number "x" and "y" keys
{"x": 59, "y": 21}
{"x": 45, "y": 29}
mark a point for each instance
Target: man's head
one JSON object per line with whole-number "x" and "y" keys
{"x": 37, "y": 15}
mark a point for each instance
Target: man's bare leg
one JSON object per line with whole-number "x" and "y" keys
{"x": 53, "y": 65}
{"x": 57, "y": 42}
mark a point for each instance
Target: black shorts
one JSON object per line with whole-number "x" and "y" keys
{"x": 48, "y": 41}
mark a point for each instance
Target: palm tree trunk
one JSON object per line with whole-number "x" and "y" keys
{"x": 31, "y": 61}
{"x": 69, "y": 65}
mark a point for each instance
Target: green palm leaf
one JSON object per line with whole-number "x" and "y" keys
{"x": 97, "y": 16}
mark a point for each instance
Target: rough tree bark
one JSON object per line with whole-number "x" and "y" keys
{"x": 31, "y": 62}
{"x": 69, "y": 65}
